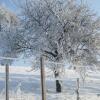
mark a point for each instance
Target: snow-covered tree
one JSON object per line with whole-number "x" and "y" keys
{"x": 8, "y": 25}
{"x": 62, "y": 30}
{"x": 59, "y": 29}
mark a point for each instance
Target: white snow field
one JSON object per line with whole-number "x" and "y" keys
{"x": 25, "y": 85}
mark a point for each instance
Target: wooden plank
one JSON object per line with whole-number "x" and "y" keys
{"x": 43, "y": 86}
{"x": 7, "y": 81}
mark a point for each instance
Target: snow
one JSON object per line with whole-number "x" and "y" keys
{"x": 25, "y": 85}
{"x": 17, "y": 70}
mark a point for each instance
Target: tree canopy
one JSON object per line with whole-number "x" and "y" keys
{"x": 62, "y": 30}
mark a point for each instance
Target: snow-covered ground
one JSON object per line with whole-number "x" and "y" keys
{"x": 25, "y": 85}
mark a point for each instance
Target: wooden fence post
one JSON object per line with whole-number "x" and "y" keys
{"x": 43, "y": 87}
{"x": 7, "y": 82}
{"x": 77, "y": 90}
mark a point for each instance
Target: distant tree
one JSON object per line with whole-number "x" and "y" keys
{"x": 8, "y": 25}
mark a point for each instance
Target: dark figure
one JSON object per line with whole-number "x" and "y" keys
{"x": 58, "y": 86}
